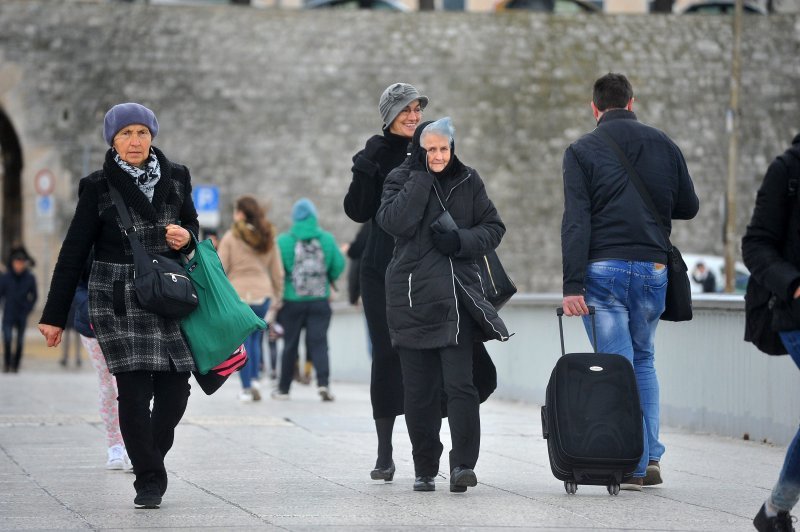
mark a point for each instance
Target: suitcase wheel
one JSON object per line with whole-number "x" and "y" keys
{"x": 613, "y": 489}
{"x": 570, "y": 487}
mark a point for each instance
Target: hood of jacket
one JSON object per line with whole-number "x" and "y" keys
{"x": 306, "y": 228}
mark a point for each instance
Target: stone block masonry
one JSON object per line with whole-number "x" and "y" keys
{"x": 276, "y": 102}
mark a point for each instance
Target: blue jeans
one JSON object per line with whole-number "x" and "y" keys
{"x": 629, "y": 298}
{"x": 253, "y": 346}
{"x": 787, "y": 491}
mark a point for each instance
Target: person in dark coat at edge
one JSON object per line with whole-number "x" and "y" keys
{"x": 436, "y": 307}
{"x": 771, "y": 251}
{"x": 401, "y": 107}
{"x": 147, "y": 353}
{"x": 18, "y": 289}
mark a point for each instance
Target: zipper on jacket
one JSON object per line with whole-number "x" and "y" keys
{"x": 455, "y": 297}
{"x": 410, "y": 303}
{"x": 469, "y": 174}
{"x": 491, "y": 277}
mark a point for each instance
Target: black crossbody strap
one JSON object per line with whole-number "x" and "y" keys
{"x": 637, "y": 181}
{"x": 122, "y": 209}
{"x": 130, "y": 231}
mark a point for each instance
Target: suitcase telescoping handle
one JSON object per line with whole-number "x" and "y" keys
{"x": 560, "y": 313}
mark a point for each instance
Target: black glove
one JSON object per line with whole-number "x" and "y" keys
{"x": 418, "y": 159}
{"x": 374, "y": 145}
{"x": 447, "y": 243}
{"x": 363, "y": 165}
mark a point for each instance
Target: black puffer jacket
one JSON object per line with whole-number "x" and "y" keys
{"x": 423, "y": 286}
{"x": 771, "y": 244}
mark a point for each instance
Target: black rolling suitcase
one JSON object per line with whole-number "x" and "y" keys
{"x": 592, "y": 419}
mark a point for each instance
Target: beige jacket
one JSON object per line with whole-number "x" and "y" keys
{"x": 255, "y": 276}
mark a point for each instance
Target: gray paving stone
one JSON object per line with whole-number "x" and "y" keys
{"x": 304, "y": 465}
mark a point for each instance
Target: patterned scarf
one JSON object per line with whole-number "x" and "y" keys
{"x": 145, "y": 178}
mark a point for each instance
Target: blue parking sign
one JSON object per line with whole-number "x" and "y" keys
{"x": 206, "y": 202}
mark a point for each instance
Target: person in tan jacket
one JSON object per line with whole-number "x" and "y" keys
{"x": 253, "y": 264}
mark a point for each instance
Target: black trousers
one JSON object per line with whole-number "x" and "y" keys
{"x": 148, "y": 436}
{"x": 314, "y": 317}
{"x": 386, "y": 382}
{"x": 425, "y": 373}
{"x": 13, "y": 357}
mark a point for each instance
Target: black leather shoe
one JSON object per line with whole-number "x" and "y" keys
{"x": 461, "y": 478}
{"x": 149, "y": 498}
{"x": 386, "y": 474}
{"x": 424, "y": 484}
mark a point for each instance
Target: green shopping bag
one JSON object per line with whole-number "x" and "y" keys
{"x": 221, "y": 321}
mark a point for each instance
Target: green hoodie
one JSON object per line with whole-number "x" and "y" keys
{"x": 306, "y": 230}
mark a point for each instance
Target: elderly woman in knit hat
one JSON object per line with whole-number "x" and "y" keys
{"x": 400, "y": 107}
{"x": 146, "y": 352}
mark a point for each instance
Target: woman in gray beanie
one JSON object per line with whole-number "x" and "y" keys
{"x": 146, "y": 352}
{"x": 400, "y": 107}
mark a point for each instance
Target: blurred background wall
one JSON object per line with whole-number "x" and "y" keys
{"x": 276, "y": 102}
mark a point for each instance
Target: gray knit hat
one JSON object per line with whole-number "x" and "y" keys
{"x": 125, "y": 114}
{"x": 395, "y": 98}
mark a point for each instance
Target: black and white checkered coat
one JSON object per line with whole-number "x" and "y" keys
{"x": 130, "y": 337}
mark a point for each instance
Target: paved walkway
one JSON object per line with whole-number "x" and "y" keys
{"x": 303, "y": 465}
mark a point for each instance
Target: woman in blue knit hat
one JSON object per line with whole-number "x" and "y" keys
{"x": 146, "y": 352}
{"x": 400, "y": 106}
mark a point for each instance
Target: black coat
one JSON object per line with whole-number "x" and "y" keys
{"x": 423, "y": 286}
{"x": 19, "y": 294}
{"x": 604, "y": 215}
{"x": 370, "y": 167}
{"x": 131, "y": 338}
{"x": 771, "y": 244}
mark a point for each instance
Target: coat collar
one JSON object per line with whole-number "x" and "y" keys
{"x": 616, "y": 114}
{"x": 135, "y": 198}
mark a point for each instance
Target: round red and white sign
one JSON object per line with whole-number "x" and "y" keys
{"x": 44, "y": 182}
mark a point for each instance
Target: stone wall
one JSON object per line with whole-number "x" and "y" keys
{"x": 276, "y": 102}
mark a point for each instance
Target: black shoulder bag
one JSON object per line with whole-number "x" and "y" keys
{"x": 498, "y": 286}
{"x": 679, "y": 292}
{"x": 160, "y": 283}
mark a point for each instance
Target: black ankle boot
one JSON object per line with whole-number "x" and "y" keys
{"x": 461, "y": 478}
{"x": 386, "y": 474}
{"x": 424, "y": 484}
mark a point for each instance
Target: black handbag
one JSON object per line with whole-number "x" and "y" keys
{"x": 160, "y": 283}
{"x": 497, "y": 285}
{"x": 678, "y": 304}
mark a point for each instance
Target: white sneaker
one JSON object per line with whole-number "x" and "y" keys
{"x": 246, "y": 396}
{"x": 325, "y": 393}
{"x": 116, "y": 457}
{"x": 128, "y": 463}
{"x": 279, "y": 395}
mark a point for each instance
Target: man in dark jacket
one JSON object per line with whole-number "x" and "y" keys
{"x": 613, "y": 251}
{"x": 18, "y": 289}
{"x": 771, "y": 251}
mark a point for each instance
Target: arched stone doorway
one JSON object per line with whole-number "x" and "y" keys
{"x": 11, "y": 177}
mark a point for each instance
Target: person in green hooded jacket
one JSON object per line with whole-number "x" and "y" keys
{"x": 312, "y": 262}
